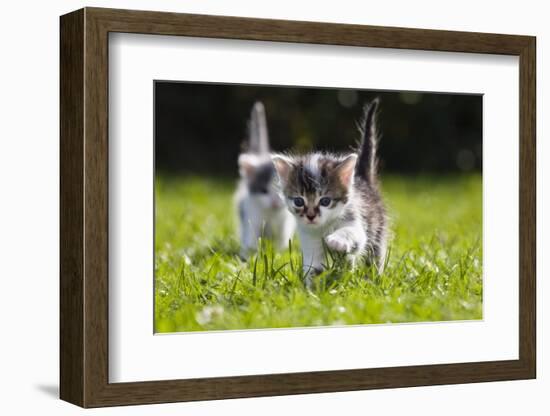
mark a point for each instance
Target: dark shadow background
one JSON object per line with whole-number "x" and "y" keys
{"x": 200, "y": 128}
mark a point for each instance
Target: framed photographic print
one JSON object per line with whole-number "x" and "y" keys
{"x": 256, "y": 207}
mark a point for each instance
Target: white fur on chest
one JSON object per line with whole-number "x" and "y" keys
{"x": 347, "y": 237}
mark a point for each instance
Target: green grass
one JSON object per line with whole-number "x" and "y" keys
{"x": 434, "y": 270}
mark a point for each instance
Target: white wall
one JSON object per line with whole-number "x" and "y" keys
{"x": 29, "y": 207}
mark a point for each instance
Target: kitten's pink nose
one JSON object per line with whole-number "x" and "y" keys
{"x": 311, "y": 217}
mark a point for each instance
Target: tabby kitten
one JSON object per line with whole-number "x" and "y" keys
{"x": 262, "y": 212}
{"x": 336, "y": 200}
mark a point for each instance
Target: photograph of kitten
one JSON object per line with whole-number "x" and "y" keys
{"x": 336, "y": 200}
{"x": 262, "y": 213}
{"x": 315, "y": 219}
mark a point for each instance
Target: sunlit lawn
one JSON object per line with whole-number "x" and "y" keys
{"x": 434, "y": 270}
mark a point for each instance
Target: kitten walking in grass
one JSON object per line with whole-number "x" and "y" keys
{"x": 262, "y": 212}
{"x": 336, "y": 201}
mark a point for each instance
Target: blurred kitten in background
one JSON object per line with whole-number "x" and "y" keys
{"x": 262, "y": 213}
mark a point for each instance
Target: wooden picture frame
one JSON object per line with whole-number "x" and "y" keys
{"x": 84, "y": 207}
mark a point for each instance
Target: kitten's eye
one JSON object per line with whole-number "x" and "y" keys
{"x": 324, "y": 201}
{"x": 299, "y": 201}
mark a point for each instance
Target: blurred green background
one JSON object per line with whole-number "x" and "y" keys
{"x": 200, "y": 127}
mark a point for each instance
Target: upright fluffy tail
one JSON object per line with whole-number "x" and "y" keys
{"x": 367, "y": 161}
{"x": 258, "y": 138}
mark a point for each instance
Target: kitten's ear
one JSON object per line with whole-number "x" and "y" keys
{"x": 283, "y": 166}
{"x": 345, "y": 170}
{"x": 247, "y": 164}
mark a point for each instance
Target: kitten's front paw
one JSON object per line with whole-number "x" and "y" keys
{"x": 339, "y": 243}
